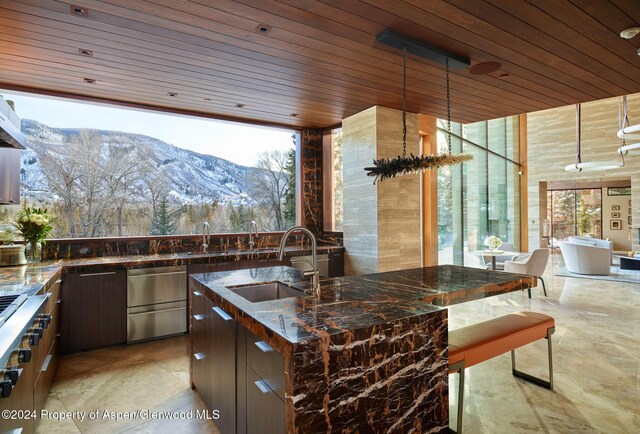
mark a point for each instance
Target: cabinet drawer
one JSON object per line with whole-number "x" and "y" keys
{"x": 48, "y": 336}
{"x": 265, "y": 410}
{"x": 199, "y": 332}
{"x": 198, "y": 371}
{"x": 53, "y": 298}
{"x": 266, "y": 362}
{"x": 45, "y": 379}
{"x": 198, "y": 305}
{"x": 158, "y": 320}
{"x": 156, "y": 285}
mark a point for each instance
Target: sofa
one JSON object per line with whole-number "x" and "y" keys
{"x": 584, "y": 255}
{"x": 590, "y": 241}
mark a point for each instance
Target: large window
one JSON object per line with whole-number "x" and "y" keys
{"x": 107, "y": 171}
{"x": 575, "y": 212}
{"x": 482, "y": 197}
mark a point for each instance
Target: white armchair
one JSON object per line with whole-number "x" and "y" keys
{"x": 583, "y": 258}
{"x": 533, "y": 264}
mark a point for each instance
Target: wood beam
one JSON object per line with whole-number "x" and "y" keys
{"x": 427, "y": 127}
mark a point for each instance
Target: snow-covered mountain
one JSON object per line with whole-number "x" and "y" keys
{"x": 193, "y": 177}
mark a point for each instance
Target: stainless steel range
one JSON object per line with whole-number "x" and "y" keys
{"x": 21, "y": 327}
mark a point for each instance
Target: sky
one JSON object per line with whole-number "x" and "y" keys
{"x": 236, "y": 142}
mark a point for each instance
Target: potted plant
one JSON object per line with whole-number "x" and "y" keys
{"x": 34, "y": 224}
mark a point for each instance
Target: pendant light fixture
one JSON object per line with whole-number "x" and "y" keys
{"x": 626, "y": 131}
{"x": 387, "y": 168}
{"x": 579, "y": 165}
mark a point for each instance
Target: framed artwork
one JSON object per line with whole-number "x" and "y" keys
{"x": 616, "y": 225}
{"x": 629, "y": 220}
{"x": 618, "y": 191}
{"x": 615, "y": 215}
{"x": 615, "y": 207}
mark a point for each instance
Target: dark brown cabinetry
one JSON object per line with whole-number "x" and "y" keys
{"x": 94, "y": 310}
{"x": 213, "y": 363}
{"x": 234, "y": 372}
{"x": 36, "y": 376}
{"x": 201, "y": 346}
{"x": 336, "y": 264}
{"x": 265, "y": 382}
{"x": 221, "y": 366}
{"x": 47, "y": 354}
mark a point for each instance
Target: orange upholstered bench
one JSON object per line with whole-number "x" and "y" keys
{"x": 477, "y": 343}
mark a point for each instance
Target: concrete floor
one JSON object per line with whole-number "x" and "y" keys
{"x": 596, "y": 361}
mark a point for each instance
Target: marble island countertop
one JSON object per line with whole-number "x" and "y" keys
{"x": 33, "y": 277}
{"x": 370, "y": 353}
{"x": 349, "y": 303}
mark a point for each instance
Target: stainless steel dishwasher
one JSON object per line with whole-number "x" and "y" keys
{"x": 156, "y": 302}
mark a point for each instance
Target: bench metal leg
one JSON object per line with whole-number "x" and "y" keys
{"x": 460, "y": 368}
{"x": 530, "y": 378}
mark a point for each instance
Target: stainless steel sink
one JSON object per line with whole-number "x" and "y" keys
{"x": 266, "y": 291}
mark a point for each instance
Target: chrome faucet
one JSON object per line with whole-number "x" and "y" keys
{"x": 315, "y": 280}
{"x": 253, "y": 226}
{"x": 206, "y": 236}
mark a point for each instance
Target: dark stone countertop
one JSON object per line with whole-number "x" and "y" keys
{"x": 350, "y": 303}
{"x": 32, "y": 278}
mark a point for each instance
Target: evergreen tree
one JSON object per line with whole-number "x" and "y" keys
{"x": 235, "y": 217}
{"x": 164, "y": 220}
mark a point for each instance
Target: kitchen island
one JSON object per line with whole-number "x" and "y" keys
{"x": 368, "y": 355}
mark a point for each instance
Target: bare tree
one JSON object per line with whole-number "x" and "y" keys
{"x": 270, "y": 184}
{"x": 93, "y": 180}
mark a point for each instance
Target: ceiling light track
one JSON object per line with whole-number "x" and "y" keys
{"x": 422, "y": 49}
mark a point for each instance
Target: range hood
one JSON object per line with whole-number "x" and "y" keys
{"x": 10, "y": 135}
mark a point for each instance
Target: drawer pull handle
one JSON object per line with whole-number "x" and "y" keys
{"x": 198, "y": 317}
{"x": 197, "y": 293}
{"x": 264, "y": 347}
{"x": 98, "y": 274}
{"x": 262, "y": 386}
{"x": 147, "y": 275}
{"x": 224, "y": 315}
{"x": 158, "y": 311}
{"x": 45, "y": 365}
{"x": 198, "y": 356}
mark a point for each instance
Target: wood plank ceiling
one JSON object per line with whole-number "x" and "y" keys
{"x": 319, "y": 59}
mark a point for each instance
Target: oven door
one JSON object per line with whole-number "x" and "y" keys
{"x": 156, "y": 320}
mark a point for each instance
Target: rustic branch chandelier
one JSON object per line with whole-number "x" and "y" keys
{"x": 390, "y": 167}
